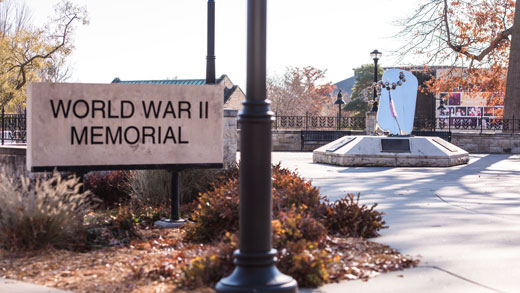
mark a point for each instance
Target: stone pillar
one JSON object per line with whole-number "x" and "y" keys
{"x": 230, "y": 137}
{"x": 370, "y": 123}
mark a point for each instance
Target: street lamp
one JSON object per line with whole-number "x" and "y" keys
{"x": 376, "y": 55}
{"x": 339, "y": 101}
{"x": 255, "y": 259}
{"x": 441, "y": 106}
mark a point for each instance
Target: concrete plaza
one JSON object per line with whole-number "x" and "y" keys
{"x": 462, "y": 222}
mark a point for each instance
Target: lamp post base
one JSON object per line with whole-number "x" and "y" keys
{"x": 256, "y": 272}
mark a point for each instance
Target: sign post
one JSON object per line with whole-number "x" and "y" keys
{"x": 255, "y": 260}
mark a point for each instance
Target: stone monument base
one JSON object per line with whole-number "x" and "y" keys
{"x": 396, "y": 151}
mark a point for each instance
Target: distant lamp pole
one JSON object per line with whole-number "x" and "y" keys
{"x": 441, "y": 106}
{"x": 339, "y": 101}
{"x": 376, "y": 55}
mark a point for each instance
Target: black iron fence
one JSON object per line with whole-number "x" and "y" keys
{"x": 318, "y": 122}
{"x": 454, "y": 124}
{"x": 469, "y": 124}
{"x": 14, "y": 128}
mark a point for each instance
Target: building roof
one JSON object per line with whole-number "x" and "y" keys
{"x": 345, "y": 85}
{"x": 227, "y": 91}
{"x": 167, "y": 81}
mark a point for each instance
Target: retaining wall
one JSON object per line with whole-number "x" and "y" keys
{"x": 487, "y": 143}
{"x": 290, "y": 140}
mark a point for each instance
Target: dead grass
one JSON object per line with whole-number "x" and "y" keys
{"x": 139, "y": 267}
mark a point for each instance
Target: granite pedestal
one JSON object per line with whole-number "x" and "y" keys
{"x": 395, "y": 151}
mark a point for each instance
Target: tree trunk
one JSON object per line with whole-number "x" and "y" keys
{"x": 512, "y": 98}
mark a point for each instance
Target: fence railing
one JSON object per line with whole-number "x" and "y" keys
{"x": 455, "y": 124}
{"x": 318, "y": 122}
{"x": 469, "y": 124}
{"x": 14, "y": 128}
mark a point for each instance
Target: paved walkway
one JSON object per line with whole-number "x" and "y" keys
{"x": 463, "y": 222}
{"x": 13, "y": 286}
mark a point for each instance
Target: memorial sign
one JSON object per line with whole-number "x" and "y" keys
{"x": 116, "y": 126}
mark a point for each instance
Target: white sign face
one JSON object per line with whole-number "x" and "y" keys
{"x": 397, "y": 108}
{"x": 110, "y": 126}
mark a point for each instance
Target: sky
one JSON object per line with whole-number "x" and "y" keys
{"x": 160, "y": 39}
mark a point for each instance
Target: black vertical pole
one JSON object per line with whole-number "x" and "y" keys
{"x": 449, "y": 121}
{"x": 174, "y": 195}
{"x": 255, "y": 260}
{"x": 481, "y": 119}
{"x": 375, "y": 77}
{"x": 3, "y": 125}
{"x": 375, "y": 105}
{"x": 339, "y": 116}
{"x": 434, "y": 113}
{"x": 210, "y": 58}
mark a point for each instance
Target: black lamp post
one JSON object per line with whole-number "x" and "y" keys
{"x": 339, "y": 101}
{"x": 441, "y": 106}
{"x": 376, "y": 55}
{"x": 255, "y": 259}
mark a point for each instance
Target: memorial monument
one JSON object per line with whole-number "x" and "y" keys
{"x": 397, "y": 97}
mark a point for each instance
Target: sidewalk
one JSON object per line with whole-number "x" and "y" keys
{"x": 463, "y": 222}
{"x": 12, "y": 286}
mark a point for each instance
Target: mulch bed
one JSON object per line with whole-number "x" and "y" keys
{"x": 142, "y": 265}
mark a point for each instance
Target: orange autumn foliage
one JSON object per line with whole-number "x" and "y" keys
{"x": 472, "y": 36}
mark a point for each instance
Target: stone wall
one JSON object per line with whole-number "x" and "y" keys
{"x": 230, "y": 137}
{"x": 290, "y": 140}
{"x": 487, "y": 143}
{"x": 13, "y": 157}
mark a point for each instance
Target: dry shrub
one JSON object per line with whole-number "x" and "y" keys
{"x": 301, "y": 221}
{"x": 46, "y": 212}
{"x": 109, "y": 186}
{"x": 152, "y": 187}
{"x": 305, "y": 262}
{"x": 291, "y": 190}
{"x": 216, "y": 213}
{"x": 208, "y": 269}
{"x": 114, "y": 227}
{"x": 296, "y": 225}
{"x": 347, "y": 217}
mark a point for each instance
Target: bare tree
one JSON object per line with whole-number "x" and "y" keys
{"x": 458, "y": 30}
{"x": 14, "y": 17}
{"x": 299, "y": 92}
